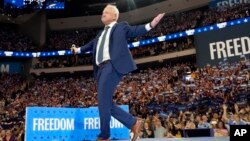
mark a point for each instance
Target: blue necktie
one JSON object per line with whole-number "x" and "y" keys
{"x": 101, "y": 47}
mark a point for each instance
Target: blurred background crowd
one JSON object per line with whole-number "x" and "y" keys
{"x": 170, "y": 98}
{"x": 61, "y": 40}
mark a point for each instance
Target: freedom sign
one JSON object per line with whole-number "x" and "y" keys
{"x": 69, "y": 124}
{"x": 230, "y": 43}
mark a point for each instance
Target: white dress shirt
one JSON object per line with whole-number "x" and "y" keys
{"x": 106, "y": 55}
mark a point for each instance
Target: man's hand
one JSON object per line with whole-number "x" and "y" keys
{"x": 236, "y": 108}
{"x": 74, "y": 49}
{"x": 156, "y": 20}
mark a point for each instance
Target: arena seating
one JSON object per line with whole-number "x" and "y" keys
{"x": 161, "y": 94}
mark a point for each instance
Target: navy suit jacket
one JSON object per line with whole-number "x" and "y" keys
{"x": 120, "y": 55}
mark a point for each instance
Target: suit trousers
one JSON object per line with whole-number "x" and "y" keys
{"x": 107, "y": 80}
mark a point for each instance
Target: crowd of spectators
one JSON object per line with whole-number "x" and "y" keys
{"x": 196, "y": 18}
{"x": 170, "y": 24}
{"x": 11, "y": 123}
{"x": 59, "y": 40}
{"x": 11, "y": 40}
{"x": 169, "y": 99}
{"x": 15, "y": 81}
{"x": 224, "y": 13}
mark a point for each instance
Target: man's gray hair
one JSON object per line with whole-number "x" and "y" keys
{"x": 115, "y": 10}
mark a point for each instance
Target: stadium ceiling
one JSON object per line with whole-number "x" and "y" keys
{"x": 74, "y": 8}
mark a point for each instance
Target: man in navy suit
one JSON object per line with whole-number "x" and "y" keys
{"x": 112, "y": 60}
